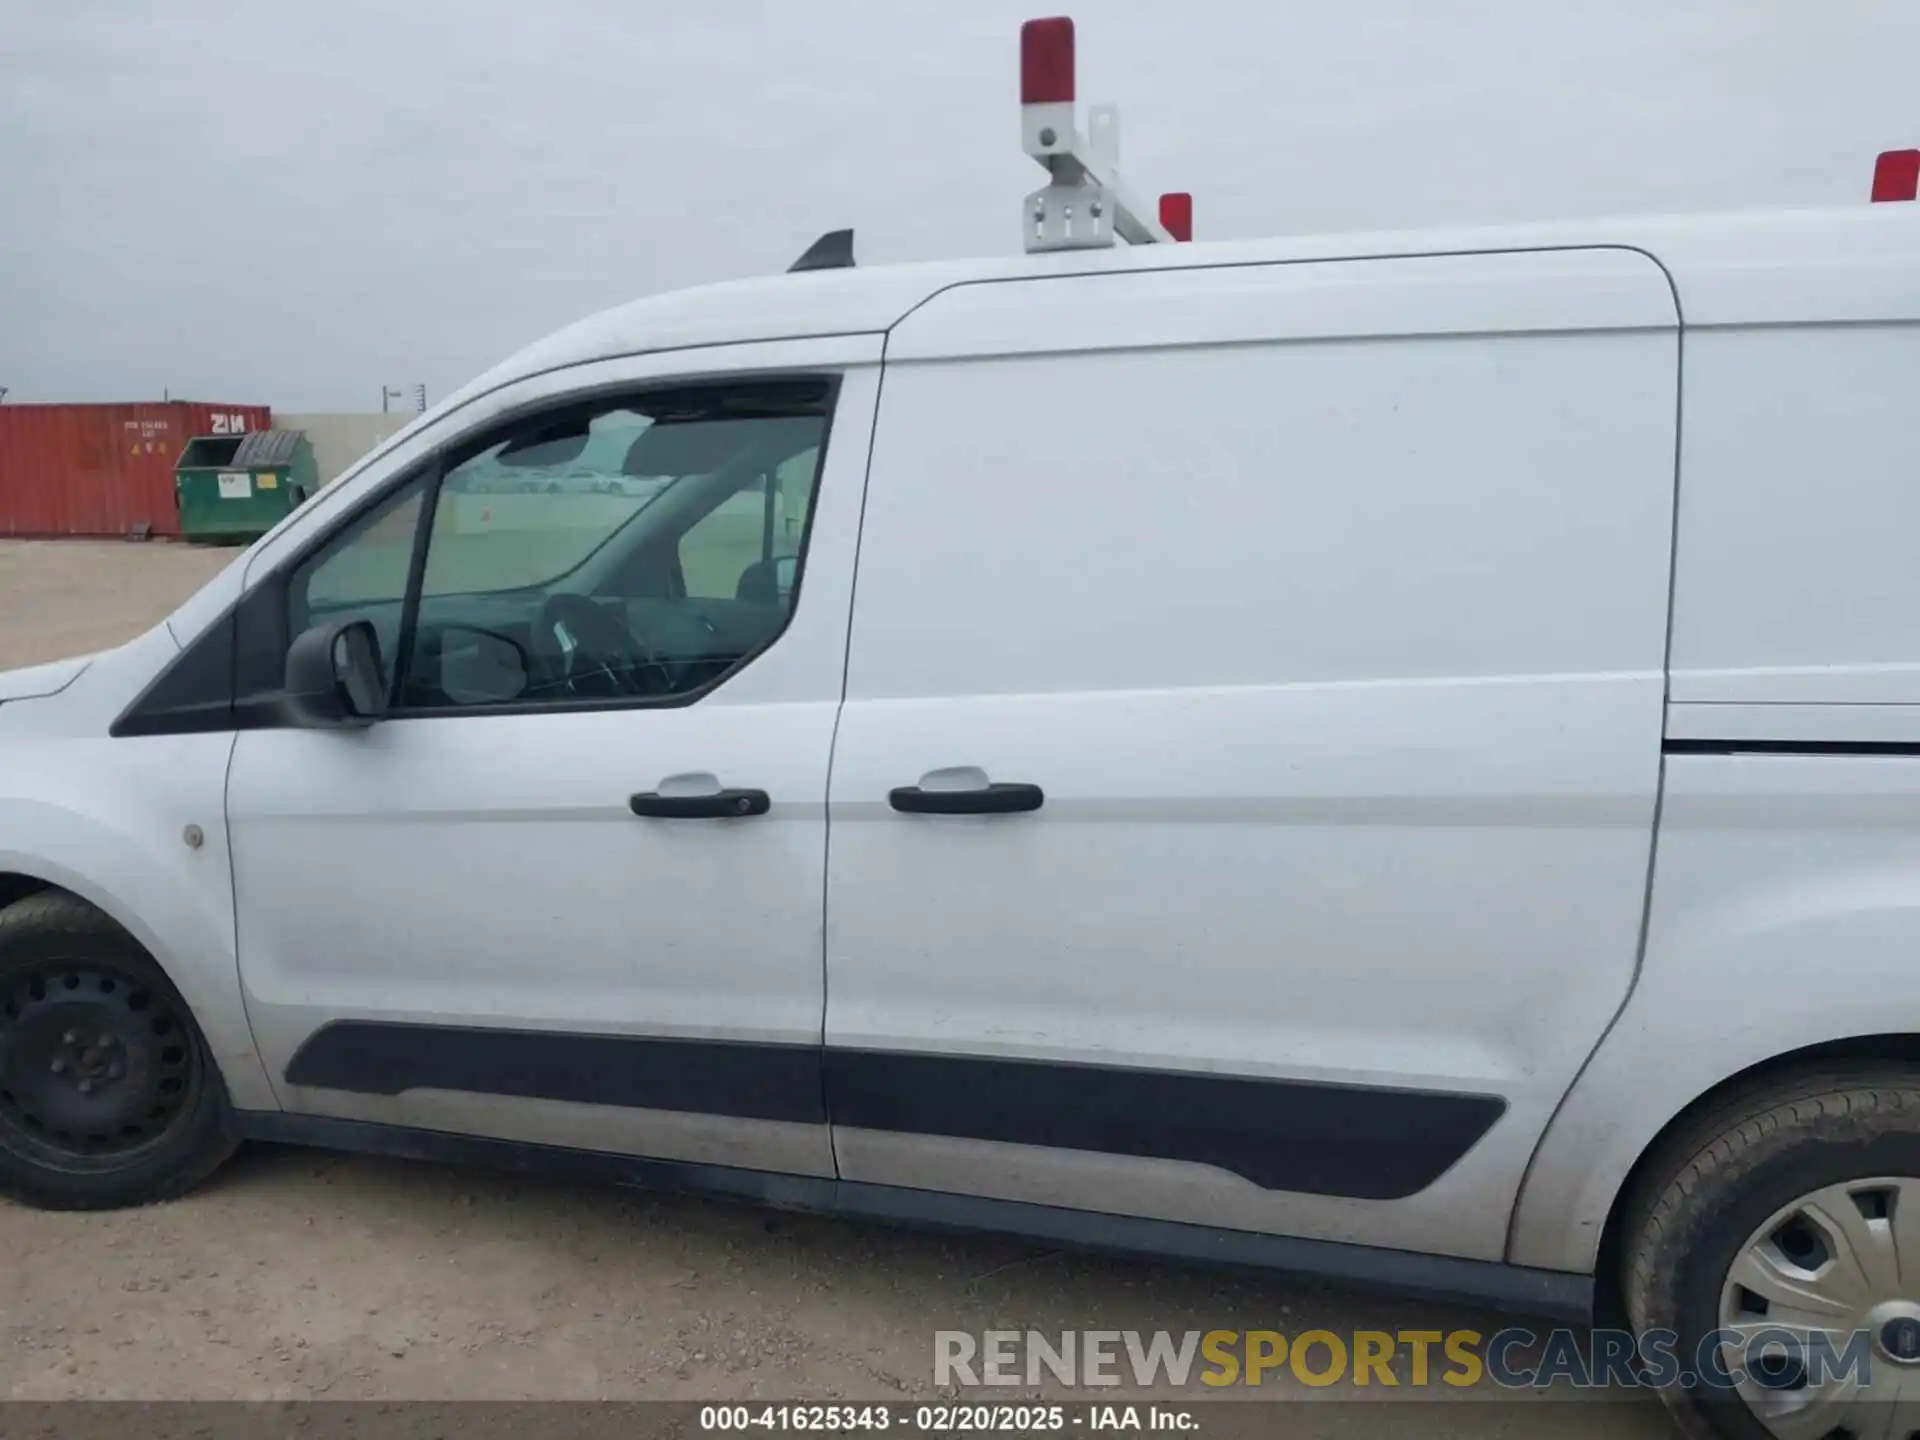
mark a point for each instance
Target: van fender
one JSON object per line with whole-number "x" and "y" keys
{"x": 1787, "y": 957}
{"x": 176, "y": 901}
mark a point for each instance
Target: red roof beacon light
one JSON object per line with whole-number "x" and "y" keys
{"x": 1084, "y": 206}
{"x": 1046, "y": 61}
{"x": 1896, "y": 176}
{"x": 1176, "y": 214}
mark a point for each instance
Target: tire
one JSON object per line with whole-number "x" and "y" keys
{"x": 1788, "y": 1179}
{"x": 108, "y": 1094}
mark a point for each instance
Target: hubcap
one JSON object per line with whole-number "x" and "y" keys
{"x": 1834, "y": 1266}
{"x": 93, "y": 1064}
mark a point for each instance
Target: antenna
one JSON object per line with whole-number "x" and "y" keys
{"x": 1085, "y": 206}
{"x": 832, "y": 251}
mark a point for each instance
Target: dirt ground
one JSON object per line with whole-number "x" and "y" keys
{"x": 296, "y": 1274}
{"x": 67, "y": 597}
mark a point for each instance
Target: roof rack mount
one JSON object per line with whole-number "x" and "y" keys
{"x": 1085, "y": 205}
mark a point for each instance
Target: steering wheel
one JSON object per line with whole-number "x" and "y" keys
{"x": 587, "y": 652}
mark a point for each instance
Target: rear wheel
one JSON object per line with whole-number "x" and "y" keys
{"x": 108, "y": 1096}
{"x": 1780, "y": 1243}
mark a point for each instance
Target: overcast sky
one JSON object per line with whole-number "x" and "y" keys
{"x": 294, "y": 202}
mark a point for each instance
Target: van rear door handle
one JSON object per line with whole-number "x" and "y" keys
{"x": 719, "y": 805}
{"x": 1005, "y": 799}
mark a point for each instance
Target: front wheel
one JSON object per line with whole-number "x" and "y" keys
{"x": 108, "y": 1096}
{"x": 1779, "y": 1243}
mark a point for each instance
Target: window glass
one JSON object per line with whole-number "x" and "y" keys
{"x": 520, "y": 514}
{"x": 361, "y": 574}
{"x": 636, "y": 549}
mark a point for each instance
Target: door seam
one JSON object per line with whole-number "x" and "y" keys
{"x": 1659, "y": 781}
{"x": 833, "y": 751}
{"x": 233, "y": 893}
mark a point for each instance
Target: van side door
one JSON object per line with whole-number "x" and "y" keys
{"x": 1243, "y": 800}
{"x": 569, "y": 890}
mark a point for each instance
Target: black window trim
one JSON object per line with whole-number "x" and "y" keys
{"x": 416, "y": 582}
{"x": 181, "y": 699}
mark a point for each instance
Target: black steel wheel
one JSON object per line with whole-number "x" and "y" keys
{"x": 107, "y": 1094}
{"x": 93, "y": 1063}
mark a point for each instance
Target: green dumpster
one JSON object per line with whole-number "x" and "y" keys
{"x": 238, "y": 487}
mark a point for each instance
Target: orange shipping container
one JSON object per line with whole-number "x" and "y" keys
{"x": 102, "y": 469}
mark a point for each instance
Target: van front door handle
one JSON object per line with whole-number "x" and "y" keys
{"x": 1003, "y": 799}
{"x": 719, "y": 805}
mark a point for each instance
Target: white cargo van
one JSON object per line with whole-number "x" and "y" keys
{"x": 1393, "y": 756}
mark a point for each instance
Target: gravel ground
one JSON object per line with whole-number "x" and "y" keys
{"x": 66, "y": 597}
{"x": 296, "y": 1274}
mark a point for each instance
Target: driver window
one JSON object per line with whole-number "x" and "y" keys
{"x": 362, "y": 574}
{"x": 734, "y": 553}
{"x": 528, "y": 509}
{"x": 635, "y": 549}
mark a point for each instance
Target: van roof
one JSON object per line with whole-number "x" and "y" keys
{"x": 1844, "y": 264}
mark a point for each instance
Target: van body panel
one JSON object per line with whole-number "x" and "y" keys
{"x": 1785, "y": 914}
{"x": 1338, "y": 656}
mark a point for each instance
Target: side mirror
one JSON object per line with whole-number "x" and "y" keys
{"x": 334, "y": 681}
{"x": 479, "y": 667}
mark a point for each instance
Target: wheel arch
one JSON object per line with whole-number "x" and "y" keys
{"x": 1890, "y": 1049}
{"x": 189, "y": 940}
{"x": 21, "y": 877}
{"x": 1782, "y": 927}
{"x": 17, "y": 885}
{"x": 1594, "y": 1160}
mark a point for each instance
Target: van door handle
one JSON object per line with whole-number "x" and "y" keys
{"x": 719, "y": 805}
{"x": 1004, "y": 799}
